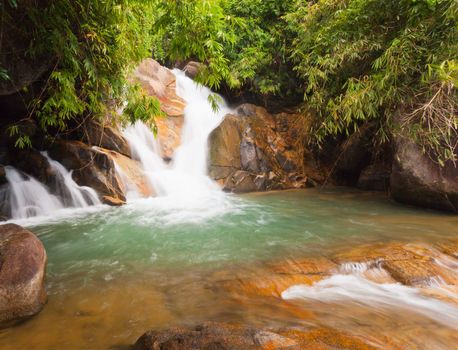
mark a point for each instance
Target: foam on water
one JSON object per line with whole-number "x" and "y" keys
{"x": 351, "y": 284}
{"x": 184, "y": 191}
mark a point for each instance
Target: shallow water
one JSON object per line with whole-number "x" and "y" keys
{"x": 113, "y": 273}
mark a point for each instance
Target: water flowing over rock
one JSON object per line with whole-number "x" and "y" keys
{"x": 160, "y": 82}
{"x": 253, "y": 150}
{"x": 90, "y": 168}
{"x": 22, "y": 273}
{"x": 416, "y": 179}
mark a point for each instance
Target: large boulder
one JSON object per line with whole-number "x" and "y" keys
{"x": 90, "y": 167}
{"x": 22, "y": 274}
{"x": 221, "y": 336}
{"x": 418, "y": 180}
{"x": 253, "y": 150}
{"x": 160, "y": 82}
{"x": 105, "y": 135}
{"x": 131, "y": 174}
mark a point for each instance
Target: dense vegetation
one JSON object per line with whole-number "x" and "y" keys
{"x": 391, "y": 62}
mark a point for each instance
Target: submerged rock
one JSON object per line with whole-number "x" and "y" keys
{"x": 221, "y": 336}
{"x": 256, "y": 151}
{"x": 417, "y": 180}
{"x": 22, "y": 274}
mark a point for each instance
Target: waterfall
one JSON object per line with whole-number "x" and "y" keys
{"x": 71, "y": 194}
{"x": 185, "y": 177}
{"x": 28, "y": 197}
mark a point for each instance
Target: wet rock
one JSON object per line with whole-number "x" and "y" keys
{"x": 132, "y": 174}
{"x": 256, "y": 151}
{"x": 90, "y": 167}
{"x": 192, "y": 69}
{"x": 114, "y": 202}
{"x": 22, "y": 274}
{"x": 417, "y": 180}
{"x": 2, "y": 175}
{"x": 169, "y": 130}
{"x": 220, "y": 336}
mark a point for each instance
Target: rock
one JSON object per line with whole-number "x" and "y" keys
{"x": 192, "y": 69}
{"x": 104, "y": 135}
{"x": 221, "y": 336}
{"x": 160, "y": 82}
{"x": 22, "y": 274}
{"x": 2, "y": 175}
{"x": 353, "y": 156}
{"x": 90, "y": 167}
{"x": 169, "y": 132}
{"x": 256, "y": 151}
{"x": 114, "y": 202}
{"x": 375, "y": 177}
{"x": 416, "y": 179}
{"x": 132, "y": 174}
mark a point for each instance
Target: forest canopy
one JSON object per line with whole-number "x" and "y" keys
{"x": 391, "y": 62}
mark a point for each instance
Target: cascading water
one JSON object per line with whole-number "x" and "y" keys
{"x": 185, "y": 178}
{"x": 28, "y": 197}
{"x": 70, "y": 193}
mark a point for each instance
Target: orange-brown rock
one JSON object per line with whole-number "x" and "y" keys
{"x": 220, "y": 336}
{"x": 160, "y": 82}
{"x": 169, "y": 134}
{"x": 132, "y": 170}
{"x": 253, "y": 150}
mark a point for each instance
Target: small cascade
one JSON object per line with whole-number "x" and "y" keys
{"x": 365, "y": 284}
{"x": 28, "y": 197}
{"x": 185, "y": 177}
{"x": 71, "y": 194}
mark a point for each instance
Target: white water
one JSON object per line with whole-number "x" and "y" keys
{"x": 71, "y": 194}
{"x": 184, "y": 181}
{"x": 351, "y": 284}
{"x": 28, "y": 197}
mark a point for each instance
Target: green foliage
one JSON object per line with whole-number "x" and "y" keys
{"x": 369, "y": 59}
{"x": 93, "y": 46}
{"x": 196, "y": 29}
{"x": 143, "y": 107}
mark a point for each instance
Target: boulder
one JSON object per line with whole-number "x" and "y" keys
{"x": 104, "y": 135}
{"x": 253, "y": 150}
{"x": 160, "y": 82}
{"x": 375, "y": 177}
{"x": 418, "y": 180}
{"x": 22, "y": 274}
{"x": 192, "y": 69}
{"x": 90, "y": 167}
{"x": 131, "y": 174}
{"x": 221, "y": 336}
